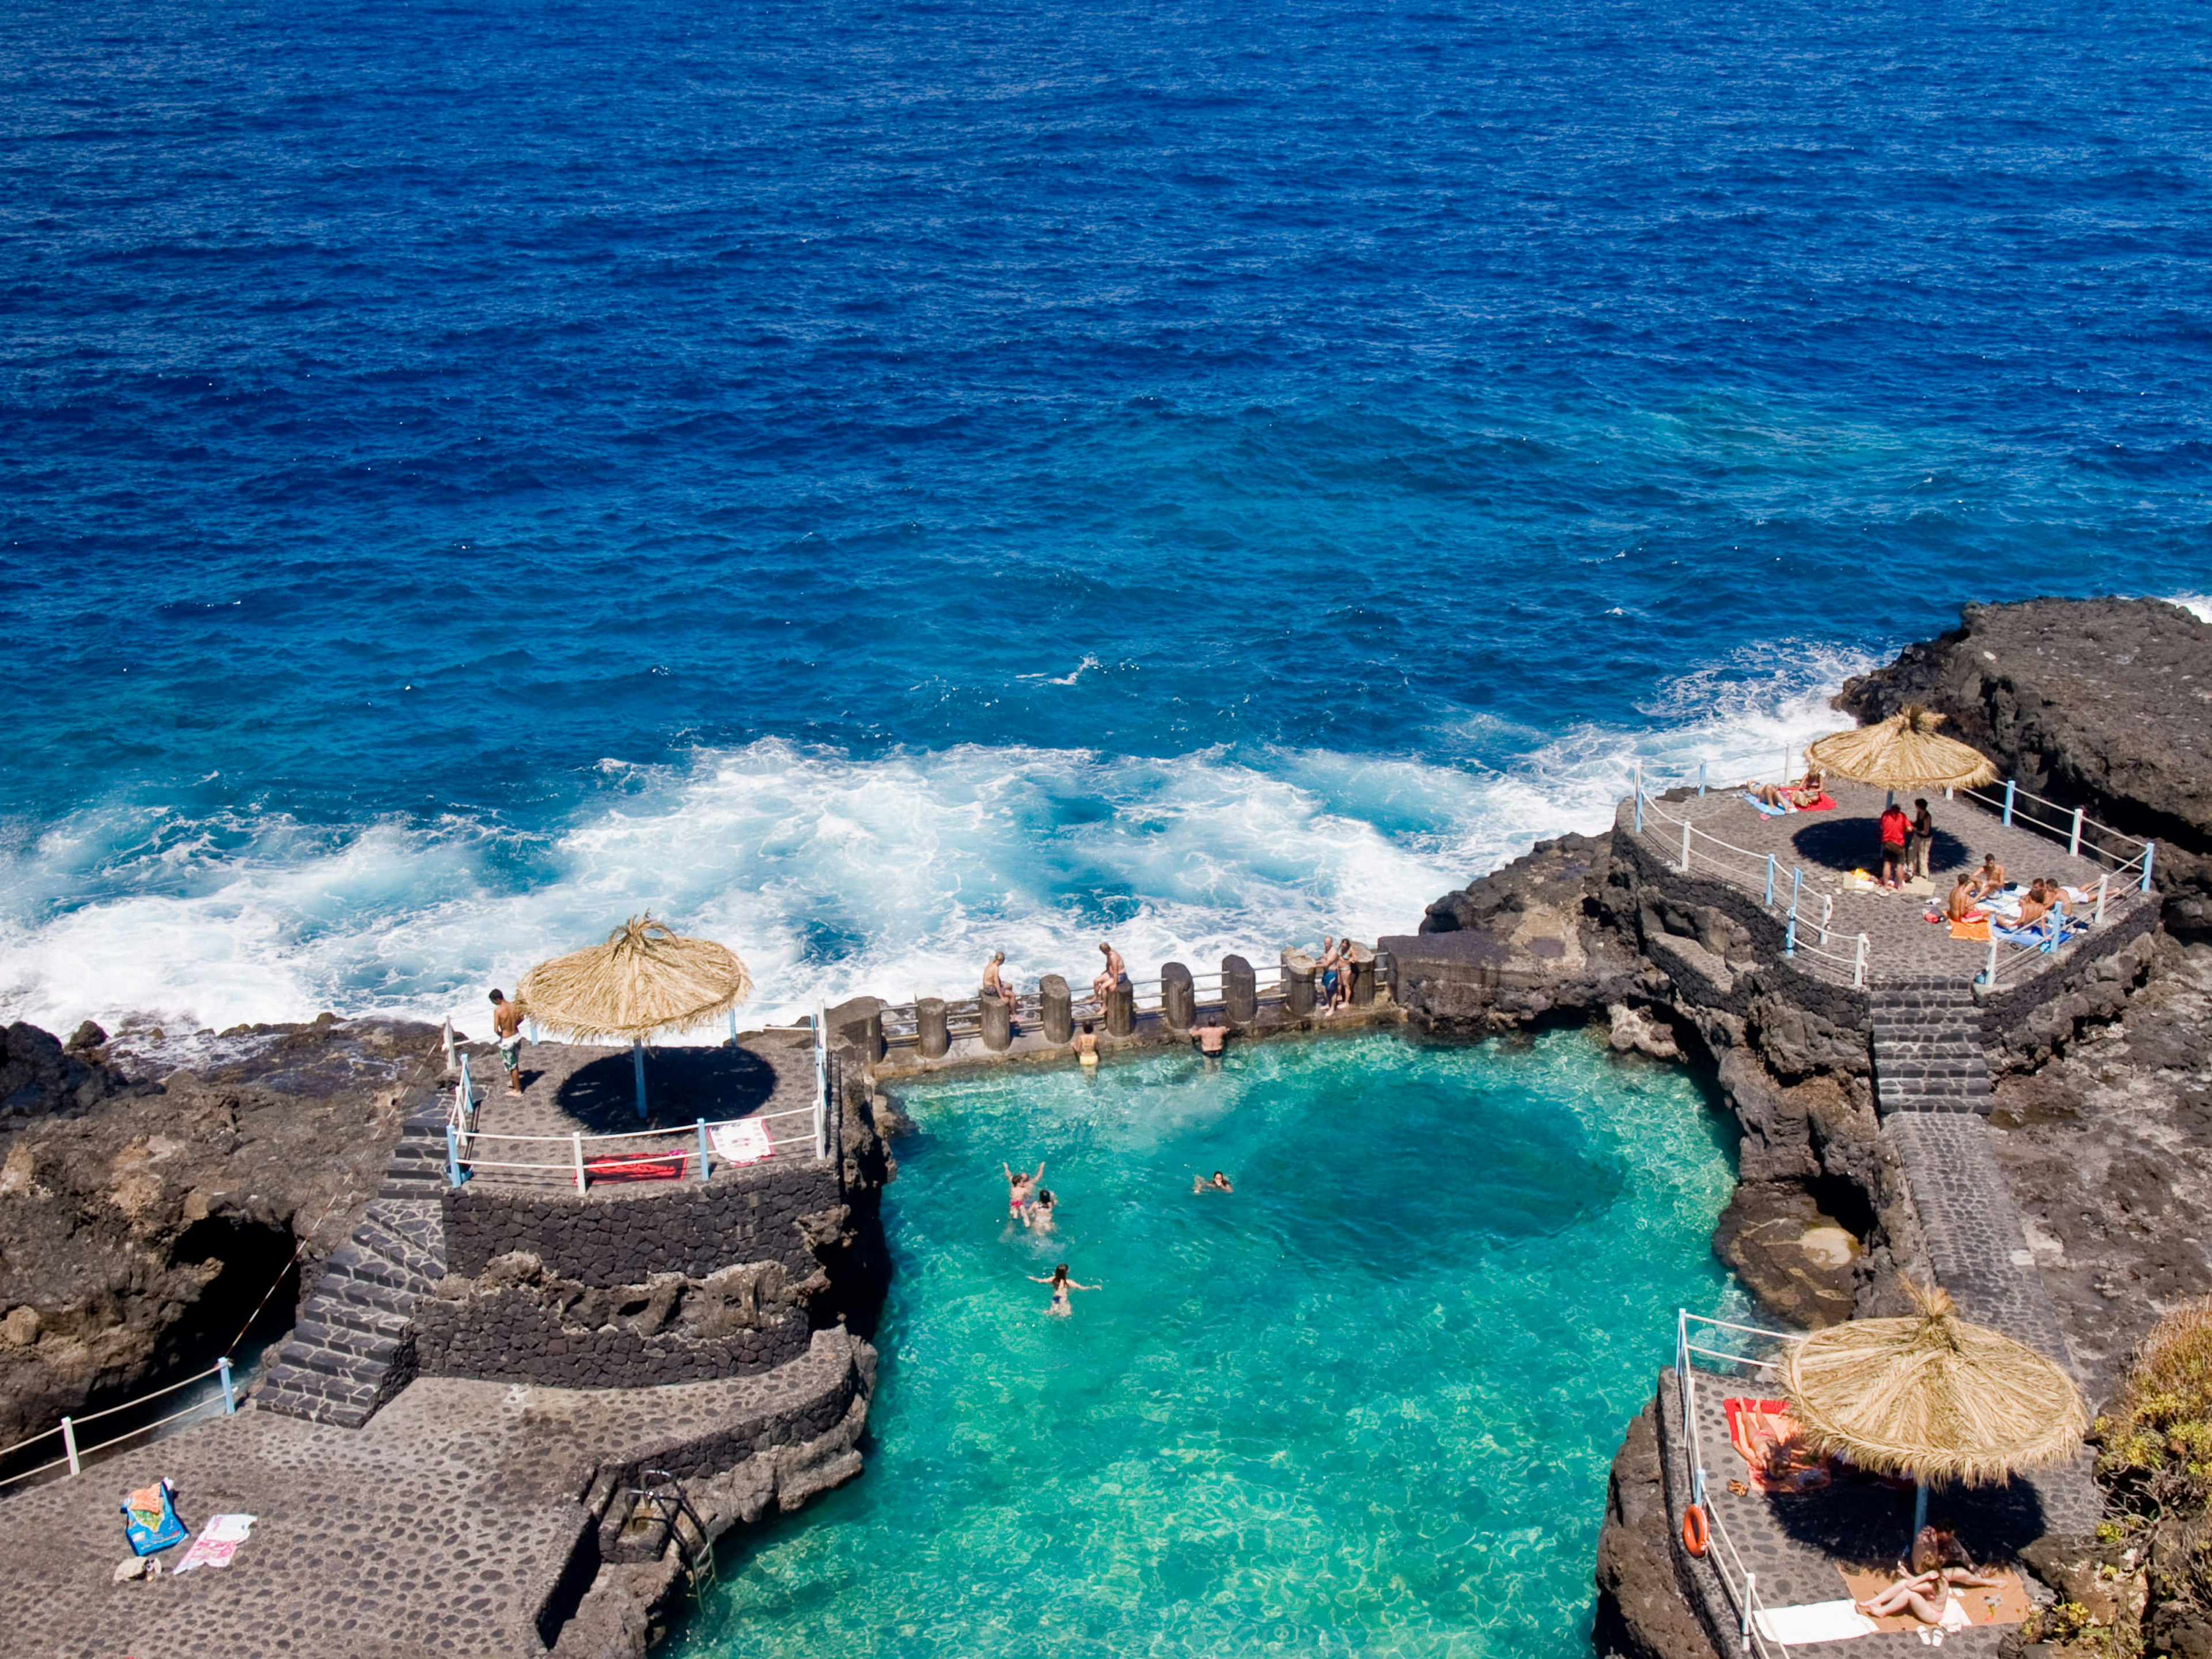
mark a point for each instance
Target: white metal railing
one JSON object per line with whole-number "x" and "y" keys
{"x": 463, "y": 1159}
{"x": 1742, "y": 1588}
{"x": 2049, "y": 935}
{"x": 75, "y": 1452}
{"x": 2084, "y": 837}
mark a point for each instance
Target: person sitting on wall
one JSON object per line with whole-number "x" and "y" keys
{"x": 1116, "y": 972}
{"x": 1990, "y": 877}
{"x": 995, "y": 985}
{"x": 1895, "y": 829}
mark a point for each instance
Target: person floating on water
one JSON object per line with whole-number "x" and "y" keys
{"x": 1086, "y": 1047}
{"x": 1061, "y": 1284}
{"x": 1217, "y": 1182}
{"x": 1040, "y": 1211}
{"x": 507, "y": 1026}
{"x": 1019, "y": 1186}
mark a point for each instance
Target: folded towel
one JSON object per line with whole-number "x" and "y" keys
{"x": 1974, "y": 928}
{"x": 1814, "y": 1621}
{"x": 745, "y": 1141}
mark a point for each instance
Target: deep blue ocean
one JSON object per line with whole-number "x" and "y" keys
{"x": 874, "y": 482}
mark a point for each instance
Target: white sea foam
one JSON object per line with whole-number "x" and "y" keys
{"x": 2200, "y": 603}
{"x": 834, "y": 875}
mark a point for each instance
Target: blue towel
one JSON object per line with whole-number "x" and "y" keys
{"x": 1763, "y": 809}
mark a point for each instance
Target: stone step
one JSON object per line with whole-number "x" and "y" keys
{"x": 373, "y": 1269}
{"x": 345, "y": 1367}
{"x": 372, "y": 1355}
{"x": 1907, "y": 1090}
{"x": 366, "y": 1318}
{"x": 401, "y": 1251}
{"x": 289, "y": 1394}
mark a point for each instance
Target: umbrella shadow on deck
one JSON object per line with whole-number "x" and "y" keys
{"x": 1848, "y": 844}
{"x": 1863, "y": 1523}
{"x": 681, "y": 1085}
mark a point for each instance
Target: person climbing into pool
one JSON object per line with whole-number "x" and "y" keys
{"x": 1211, "y": 1036}
{"x": 1040, "y": 1211}
{"x": 1086, "y": 1047}
{"x": 1019, "y": 1189}
{"x": 1217, "y": 1182}
{"x": 1116, "y": 972}
{"x": 1061, "y": 1284}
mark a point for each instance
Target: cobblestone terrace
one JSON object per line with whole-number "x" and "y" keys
{"x": 1826, "y": 846}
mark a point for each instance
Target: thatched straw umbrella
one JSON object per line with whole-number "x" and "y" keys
{"x": 1933, "y": 1397}
{"x": 645, "y": 979}
{"x": 1905, "y": 751}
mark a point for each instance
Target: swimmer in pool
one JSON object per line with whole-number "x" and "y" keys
{"x": 1086, "y": 1047}
{"x": 1219, "y": 1184}
{"x": 1020, "y": 1187}
{"x": 1061, "y": 1284}
{"x": 1040, "y": 1211}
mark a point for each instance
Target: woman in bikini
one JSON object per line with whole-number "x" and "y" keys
{"x": 1061, "y": 1284}
{"x": 1018, "y": 1186}
{"x": 1086, "y": 1047}
{"x": 1040, "y": 1211}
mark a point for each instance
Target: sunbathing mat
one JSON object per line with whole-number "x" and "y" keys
{"x": 745, "y": 1141}
{"x": 1979, "y": 930}
{"x": 1814, "y": 1621}
{"x": 2004, "y": 1602}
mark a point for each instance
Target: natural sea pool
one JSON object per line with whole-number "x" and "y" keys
{"x": 1365, "y": 1404}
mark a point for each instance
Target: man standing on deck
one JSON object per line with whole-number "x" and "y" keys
{"x": 1895, "y": 826}
{"x": 507, "y": 1026}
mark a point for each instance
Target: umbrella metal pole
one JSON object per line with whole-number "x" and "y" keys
{"x": 1919, "y": 1507}
{"x": 637, "y": 1064}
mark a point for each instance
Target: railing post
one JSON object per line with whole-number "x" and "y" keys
{"x": 2073, "y": 836}
{"x": 229, "y": 1392}
{"x": 703, "y": 1149}
{"x": 1989, "y": 971}
{"x": 1790, "y": 937}
{"x": 1701, "y": 777}
{"x": 821, "y": 1081}
{"x": 453, "y": 1154}
{"x": 448, "y": 1040}
{"x": 1686, "y": 846}
{"x": 2149, "y": 847}
{"x": 69, "y": 1446}
{"x": 1770, "y": 881}
{"x": 1858, "y": 963}
{"x": 1639, "y": 796}
{"x": 576, "y": 1146}
{"x": 1750, "y": 1590}
{"x": 733, "y": 1028}
{"x": 2101, "y": 883}
{"x": 1827, "y": 915}
{"x": 2011, "y": 784}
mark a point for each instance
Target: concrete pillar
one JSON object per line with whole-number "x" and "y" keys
{"x": 1363, "y": 984}
{"x": 860, "y": 1023}
{"x": 1297, "y": 991}
{"x": 1240, "y": 991}
{"x": 1178, "y": 999}
{"x": 1057, "y": 1010}
{"x": 997, "y": 1022}
{"x": 1121, "y": 1010}
{"x": 930, "y": 1035}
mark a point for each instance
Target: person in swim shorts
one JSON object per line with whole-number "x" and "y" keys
{"x": 1020, "y": 1188}
{"x": 995, "y": 985}
{"x": 1210, "y": 1036}
{"x": 1116, "y": 972}
{"x": 1086, "y": 1047}
{"x": 507, "y": 1026}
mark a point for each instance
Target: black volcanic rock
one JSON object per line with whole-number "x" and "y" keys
{"x": 2105, "y": 704}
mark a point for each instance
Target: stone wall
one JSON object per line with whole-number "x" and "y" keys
{"x": 625, "y": 1235}
{"x": 2024, "y": 1024}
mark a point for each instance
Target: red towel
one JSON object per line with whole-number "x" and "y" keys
{"x": 1761, "y": 1431}
{"x": 635, "y": 1166}
{"x": 1826, "y": 804}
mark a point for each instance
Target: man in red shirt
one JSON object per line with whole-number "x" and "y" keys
{"x": 1895, "y": 826}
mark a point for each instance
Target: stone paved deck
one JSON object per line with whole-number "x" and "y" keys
{"x": 573, "y": 1089}
{"x": 1825, "y": 846}
{"x": 440, "y": 1528}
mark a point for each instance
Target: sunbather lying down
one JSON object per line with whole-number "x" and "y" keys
{"x": 1799, "y": 795}
{"x": 1940, "y": 1564}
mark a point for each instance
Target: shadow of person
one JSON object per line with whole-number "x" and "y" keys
{"x": 681, "y": 1086}
{"x": 1846, "y": 844}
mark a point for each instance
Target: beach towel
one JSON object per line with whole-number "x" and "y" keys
{"x": 1814, "y": 1621}
{"x": 149, "y": 1518}
{"x": 1826, "y": 804}
{"x": 636, "y": 1166}
{"x": 745, "y": 1141}
{"x": 2004, "y": 1602}
{"x": 1758, "y": 1430}
{"x": 218, "y": 1541}
{"x": 1974, "y": 928}
{"x": 1763, "y": 809}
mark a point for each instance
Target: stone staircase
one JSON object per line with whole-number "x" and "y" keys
{"x": 354, "y": 1346}
{"x": 1928, "y": 1052}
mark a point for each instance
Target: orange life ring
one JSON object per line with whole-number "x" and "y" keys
{"x": 1695, "y": 1536}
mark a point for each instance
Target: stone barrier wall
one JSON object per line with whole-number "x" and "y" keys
{"x": 2022, "y": 1024}
{"x": 510, "y": 1336}
{"x": 623, "y": 1235}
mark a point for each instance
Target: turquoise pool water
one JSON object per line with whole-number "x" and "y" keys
{"x": 1363, "y": 1406}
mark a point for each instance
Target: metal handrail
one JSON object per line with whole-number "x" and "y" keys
{"x": 1744, "y": 1591}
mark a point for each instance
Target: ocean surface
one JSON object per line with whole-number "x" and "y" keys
{"x": 1349, "y": 1409}
{"x": 876, "y": 482}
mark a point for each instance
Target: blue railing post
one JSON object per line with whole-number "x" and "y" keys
{"x": 1701, "y": 777}
{"x": 453, "y": 1155}
{"x": 2011, "y": 784}
{"x": 1796, "y": 881}
{"x": 229, "y": 1393}
{"x": 1639, "y": 798}
{"x": 1789, "y": 938}
{"x": 2149, "y": 847}
{"x": 1770, "y": 881}
{"x": 702, "y": 1140}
